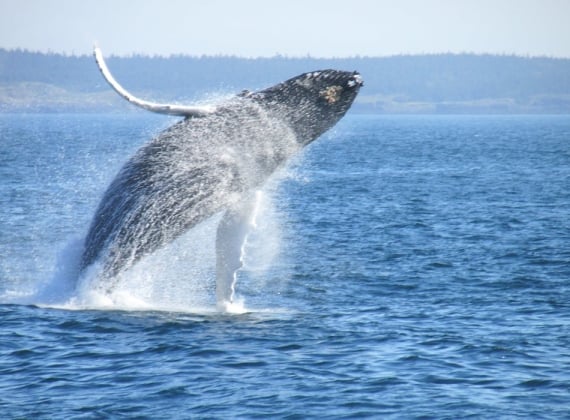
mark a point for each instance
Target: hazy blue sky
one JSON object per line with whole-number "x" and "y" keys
{"x": 321, "y": 28}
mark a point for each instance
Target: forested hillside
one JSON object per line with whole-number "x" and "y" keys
{"x": 447, "y": 83}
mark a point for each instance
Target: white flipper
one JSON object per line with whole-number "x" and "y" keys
{"x": 231, "y": 238}
{"x": 169, "y": 109}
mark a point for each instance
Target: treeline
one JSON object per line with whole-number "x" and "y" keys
{"x": 406, "y": 83}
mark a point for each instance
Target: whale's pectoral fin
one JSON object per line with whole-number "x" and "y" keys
{"x": 231, "y": 238}
{"x": 169, "y": 109}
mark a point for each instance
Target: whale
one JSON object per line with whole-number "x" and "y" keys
{"x": 210, "y": 162}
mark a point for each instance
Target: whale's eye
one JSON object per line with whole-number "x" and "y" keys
{"x": 331, "y": 94}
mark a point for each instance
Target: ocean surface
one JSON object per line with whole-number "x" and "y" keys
{"x": 402, "y": 267}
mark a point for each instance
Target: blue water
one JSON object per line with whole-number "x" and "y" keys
{"x": 404, "y": 267}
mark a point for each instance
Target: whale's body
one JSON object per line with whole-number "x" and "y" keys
{"x": 188, "y": 173}
{"x": 211, "y": 161}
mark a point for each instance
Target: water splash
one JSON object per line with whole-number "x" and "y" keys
{"x": 188, "y": 173}
{"x": 194, "y": 176}
{"x": 179, "y": 277}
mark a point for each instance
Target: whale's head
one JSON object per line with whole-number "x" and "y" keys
{"x": 312, "y": 102}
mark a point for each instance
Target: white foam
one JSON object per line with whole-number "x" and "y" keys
{"x": 56, "y": 289}
{"x": 177, "y": 278}
{"x": 237, "y": 306}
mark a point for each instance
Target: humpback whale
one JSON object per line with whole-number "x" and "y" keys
{"x": 211, "y": 161}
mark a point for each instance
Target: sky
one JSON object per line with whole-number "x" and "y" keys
{"x": 319, "y": 28}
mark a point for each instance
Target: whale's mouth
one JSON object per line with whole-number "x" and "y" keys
{"x": 355, "y": 80}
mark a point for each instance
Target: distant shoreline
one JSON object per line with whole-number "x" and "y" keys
{"x": 49, "y": 99}
{"x": 413, "y": 84}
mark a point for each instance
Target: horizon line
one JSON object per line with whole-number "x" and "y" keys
{"x": 281, "y": 56}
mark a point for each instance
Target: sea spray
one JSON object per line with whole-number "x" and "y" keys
{"x": 178, "y": 277}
